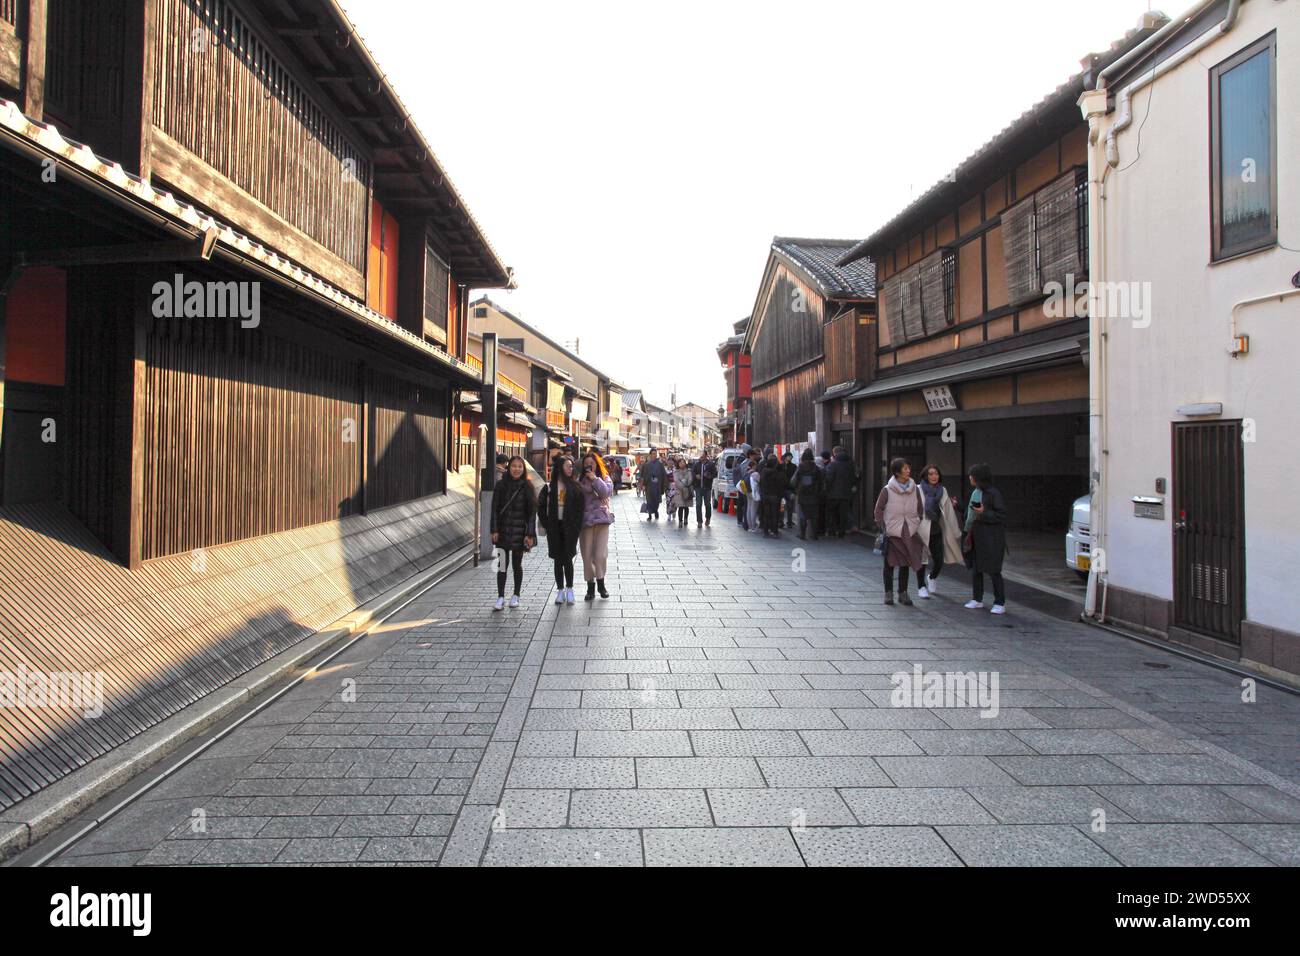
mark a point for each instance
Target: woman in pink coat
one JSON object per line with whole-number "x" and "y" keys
{"x": 900, "y": 510}
{"x": 593, "y": 539}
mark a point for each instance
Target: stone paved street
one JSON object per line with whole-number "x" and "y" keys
{"x": 722, "y": 708}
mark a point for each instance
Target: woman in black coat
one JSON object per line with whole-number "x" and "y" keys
{"x": 986, "y": 540}
{"x": 559, "y": 508}
{"x": 807, "y": 483}
{"x": 513, "y": 525}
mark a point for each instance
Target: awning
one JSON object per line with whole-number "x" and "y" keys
{"x": 522, "y": 420}
{"x": 842, "y": 390}
{"x": 1055, "y": 352}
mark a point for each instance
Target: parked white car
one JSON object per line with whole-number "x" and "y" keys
{"x": 726, "y": 461}
{"x": 1078, "y": 540}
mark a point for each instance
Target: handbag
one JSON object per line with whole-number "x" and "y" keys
{"x": 880, "y": 543}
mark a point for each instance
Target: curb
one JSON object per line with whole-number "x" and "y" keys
{"x": 34, "y": 818}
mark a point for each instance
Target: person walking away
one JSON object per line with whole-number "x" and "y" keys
{"x": 616, "y": 474}
{"x": 654, "y": 480}
{"x": 772, "y": 486}
{"x": 841, "y": 482}
{"x": 597, "y": 516}
{"x": 704, "y": 471}
{"x": 788, "y": 468}
{"x": 807, "y": 485}
{"x": 985, "y": 544}
{"x": 559, "y": 511}
{"x": 683, "y": 482}
{"x": 741, "y": 475}
{"x": 754, "y": 481}
{"x": 823, "y": 506}
{"x": 513, "y": 526}
{"x": 944, "y": 542}
{"x": 900, "y": 509}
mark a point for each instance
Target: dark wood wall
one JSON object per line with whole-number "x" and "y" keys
{"x": 230, "y": 101}
{"x": 409, "y": 438}
{"x": 790, "y": 334}
{"x": 785, "y": 410}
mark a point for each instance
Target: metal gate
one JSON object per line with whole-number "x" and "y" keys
{"x": 1209, "y": 529}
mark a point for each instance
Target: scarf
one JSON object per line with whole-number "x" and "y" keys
{"x": 900, "y": 487}
{"x": 934, "y": 495}
{"x": 975, "y": 497}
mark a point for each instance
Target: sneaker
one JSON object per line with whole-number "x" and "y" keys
{"x": 500, "y": 603}
{"x": 973, "y": 604}
{"x": 932, "y": 585}
{"x": 997, "y": 609}
{"x": 559, "y": 595}
{"x": 568, "y": 595}
{"x": 922, "y": 592}
{"x": 514, "y": 600}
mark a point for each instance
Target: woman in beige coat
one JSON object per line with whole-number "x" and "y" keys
{"x": 943, "y": 542}
{"x": 900, "y": 511}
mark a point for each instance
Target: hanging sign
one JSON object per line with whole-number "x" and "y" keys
{"x": 939, "y": 399}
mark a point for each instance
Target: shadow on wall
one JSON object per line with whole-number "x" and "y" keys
{"x": 163, "y": 636}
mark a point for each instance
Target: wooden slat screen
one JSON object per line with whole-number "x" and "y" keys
{"x": 893, "y": 303}
{"x": 791, "y": 333}
{"x": 244, "y": 435}
{"x": 1019, "y": 252}
{"x": 841, "y": 337}
{"x": 910, "y": 301}
{"x": 1056, "y": 220}
{"x": 436, "y": 279}
{"x": 222, "y": 95}
{"x": 784, "y": 410}
{"x": 9, "y": 11}
{"x": 934, "y": 303}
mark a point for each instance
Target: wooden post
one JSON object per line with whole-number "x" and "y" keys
{"x": 34, "y": 70}
{"x": 128, "y": 396}
{"x": 137, "y": 85}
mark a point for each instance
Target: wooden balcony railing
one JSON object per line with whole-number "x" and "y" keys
{"x": 555, "y": 419}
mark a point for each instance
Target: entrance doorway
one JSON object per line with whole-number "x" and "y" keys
{"x": 1209, "y": 529}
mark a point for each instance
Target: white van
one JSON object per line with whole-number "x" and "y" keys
{"x": 628, "y": 464}
{"x": 727, "y": 460}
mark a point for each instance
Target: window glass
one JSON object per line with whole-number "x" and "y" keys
{"x": 1245, "y": 164}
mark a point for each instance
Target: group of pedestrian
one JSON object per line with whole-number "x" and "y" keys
{"x": 677, "y": 484}
{"x": 921, "y": 533}
{"x": 775, "y": 493}
{"x": 572, "y": 510}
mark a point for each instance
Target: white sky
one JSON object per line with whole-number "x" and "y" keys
{"x": 632, "y": 162}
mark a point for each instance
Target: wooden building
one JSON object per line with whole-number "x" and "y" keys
{"x": 802, "y": 336}
{"x": 975, "y": 360}
{"x": 233, "y": 287}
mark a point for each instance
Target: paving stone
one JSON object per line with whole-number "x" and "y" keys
{"x": 783, "y": 718}
{"x": 910, "y": 806}
{"x": 1071, "y": 805}
{"x": 583, "y": 719}
{"x": 685, "y": 718}
{"x": 943, "y": 771}
{"x": 1175, "y": 844}
{"x": 1278, "y": 842}
{"x": 533, "y": 808}
{"x": 547, "y": 743}
{"x": 301, "y": 827}
{"x": 721, "y": 846}
{"x": 1270, "y": 802}
{"x": 539, "y": 847}
{"x": 639, "y": 808}
{"x": 1077, "y": 742}
{"x": 227, "y": 852}
{"x": 822, "y": 772}
{"x": 874, "y": 846}
{"x": 414, "y": 849}
{"x": 1012, "y": 845}
{"x": 864, "y": 743}
{"x": 893, "y": 719}
{"x": 1179, "y": 804}
{"x": 748, "y": 743}
{"x": 779, "y": 806}
{"x": 693, "y": 772}
{"x": 633, "y": 743}
{"x": 1180, "y": 768}
{"x": 951, "y": 743}
{"x": 1062, "y": 771}
{"x": 334, "y": 850}
{"x": 571, "y": 772}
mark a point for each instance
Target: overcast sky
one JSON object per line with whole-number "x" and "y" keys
{"x": 632, "y": 162}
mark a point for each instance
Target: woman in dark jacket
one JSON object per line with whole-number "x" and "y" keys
{"x": 985, "y": 543}
{"x": 771, "y": 492}
{"x": 808, "y": 484}
{"x": 514, "y": 525}
{"x": 559, "y": 509}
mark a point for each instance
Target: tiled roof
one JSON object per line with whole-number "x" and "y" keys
{"x": 817, "y": 258}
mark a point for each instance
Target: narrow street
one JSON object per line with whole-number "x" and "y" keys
{"x": 731, "y": 704}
